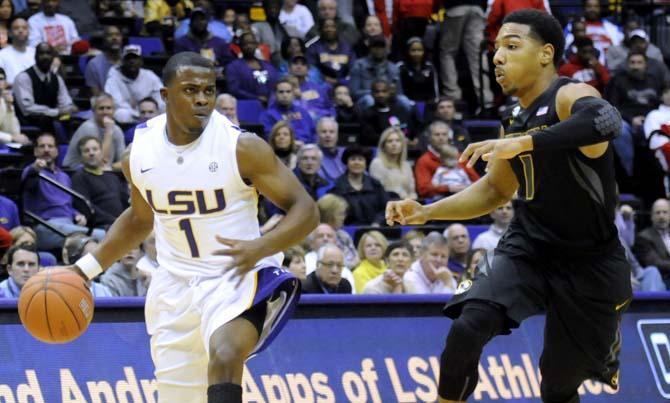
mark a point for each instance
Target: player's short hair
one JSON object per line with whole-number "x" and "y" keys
{"x": 184, "y": 59}
{"x": 29, "y": 247}
{"x": 543, "y": 27}
{"x": 82, "y": 141}
{"x": 581, "y": 42}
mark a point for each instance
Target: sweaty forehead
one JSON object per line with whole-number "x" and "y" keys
{"x": 194, "y": 75}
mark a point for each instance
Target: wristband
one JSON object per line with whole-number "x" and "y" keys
{"x": 89, "y": 265}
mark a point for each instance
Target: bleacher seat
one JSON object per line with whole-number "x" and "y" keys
{"x": 150, "y": 45}
{"x": 249, "y": 110}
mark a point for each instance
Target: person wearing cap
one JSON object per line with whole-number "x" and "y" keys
{"x": 199, "y": 39}
{"x": 284, "y": 108}
{"x": 375, "y": 66}
{"x": 639, "y": 42}
{"x": 41, "y": 95}
{"x": 364, "y": 194}
{"x": 216, "y": 27}
{"x": 314, "y": 96}
{"x": 616, "y": 54}
{"x": 129, "y": 83}
{"x": 585, "y": 67}
{"x": 58, "y": 30}
{"x": 331, "y": 55}
{"x": 98, "y": 67}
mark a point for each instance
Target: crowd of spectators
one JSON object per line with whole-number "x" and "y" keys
{"x": 405, "y": 78}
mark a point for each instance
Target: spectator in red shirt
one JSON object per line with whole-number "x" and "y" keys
{"x": 428, "y": 163}
{"x": 585, "y": 67}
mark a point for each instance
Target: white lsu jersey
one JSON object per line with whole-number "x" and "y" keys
{"x": 196, "y": 193}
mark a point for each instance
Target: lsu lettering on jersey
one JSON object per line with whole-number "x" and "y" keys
{"x": 196, "y": 193}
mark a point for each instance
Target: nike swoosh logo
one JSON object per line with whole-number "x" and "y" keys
{"x": 146, "y": 170}
{"x": 621, "y": 305}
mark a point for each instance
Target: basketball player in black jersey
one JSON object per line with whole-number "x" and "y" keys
{"x": 561, "y": 253}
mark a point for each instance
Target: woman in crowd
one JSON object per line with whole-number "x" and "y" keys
{"x": 372, "y": 28}
{"x": 364, "y": 194}
{"x": 282, "y": 141}
{"x": 10, "y": 130}
{"x": 294, "y": 261}
{"x": 25, "y": 235}
{"x": 398, "y": 258}
{"x": 418, "y": 76}
{"x": 371, "y": 249}
{"x": 414, "y": 239}
{"x": 390, "y": 166}
{"x": 333, "y": 210}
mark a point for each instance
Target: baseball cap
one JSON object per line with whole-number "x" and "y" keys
{"x": 131, "y": 50}
{"x": 297, "y": 58}
{"x": 639, "y": 33}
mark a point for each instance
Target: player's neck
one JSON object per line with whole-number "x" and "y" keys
{"x": 179, "y": 137}
{"x": 539, "y": 86}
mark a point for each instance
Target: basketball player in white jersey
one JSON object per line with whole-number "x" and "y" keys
{"x": 219, "y": 295}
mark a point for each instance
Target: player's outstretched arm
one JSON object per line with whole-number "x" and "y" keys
{"x": 129, "y": 229}
{"x": 258, "y": 164}
{"x": 495, "y": 188}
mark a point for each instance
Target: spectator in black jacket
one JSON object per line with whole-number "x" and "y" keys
{"x": 417, "y": 75}
{"x": 102, "y": 188}
{"x": 345, "y": 109}
{"x": 365, "y": 195}
{"x": 327, "y": 278}
{"x": 385, "y": 112}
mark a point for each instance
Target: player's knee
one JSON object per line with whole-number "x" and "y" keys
{"x": 225, "y": 357}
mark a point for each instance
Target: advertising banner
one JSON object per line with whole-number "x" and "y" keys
{"x": 381, "y": 358}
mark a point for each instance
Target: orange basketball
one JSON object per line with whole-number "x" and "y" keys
{"x": 56, "y": 306}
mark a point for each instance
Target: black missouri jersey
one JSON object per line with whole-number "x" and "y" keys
{"x": 566, "y": 200}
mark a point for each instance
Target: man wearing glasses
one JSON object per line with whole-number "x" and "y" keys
{"x": 327, "y": 278}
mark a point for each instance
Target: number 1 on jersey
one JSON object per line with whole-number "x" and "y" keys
{"x": 185, "y": 225}
{"x": 529, "y": 175}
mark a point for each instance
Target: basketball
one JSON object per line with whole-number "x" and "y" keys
{"x": 55, "y": 306}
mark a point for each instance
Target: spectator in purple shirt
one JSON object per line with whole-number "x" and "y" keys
{"x": 315, "y": 97}
{"x": 332, "y": 166}
{"x": 9, "y": 214}
{"x": 330, "y": 55}
{"x": 98, "y": 67}
{"x": 249, "y": 77}
{"x": 200, "y": 40}
{"x": 284, "y": 108}
{"x": 49, "y": 202}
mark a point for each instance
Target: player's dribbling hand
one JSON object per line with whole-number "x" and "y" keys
{"x": 405, "y": 212}
{"x": 244, "y": 254}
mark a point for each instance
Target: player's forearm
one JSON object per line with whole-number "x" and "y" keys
{"x": 476, "y": 200}
{"x": 127, "y": 232}
{"x": 300, "y": 221}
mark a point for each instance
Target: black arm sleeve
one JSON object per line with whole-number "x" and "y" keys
{"x": 592, "y": 121}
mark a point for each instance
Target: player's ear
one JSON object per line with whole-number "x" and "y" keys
{"x": 547, "y": 54}
{"x": 164, "y": 93}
